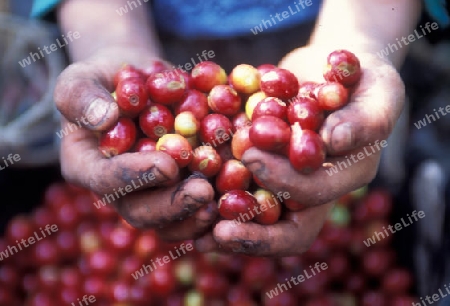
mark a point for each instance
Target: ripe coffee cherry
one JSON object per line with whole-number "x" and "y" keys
{"x": 128, "y": 72}
{"x": 177, "y": 147}
{"x": 342, "y": 66}
{"x": 262, "y": 69}
{"x": 131, "y": 96}
{"x": 332, "y": 96}
{"x": 236, "y": 202}
{"x": 195, "y": 102}
{"x": 186, "y": 124}
{"x": 306, "y": 150}
{"x": 156, "y": 121}
{"x": 206, "y": 75}
{"x": 269, "y": 133}
{"x": 166, "y": 87}
{"x": 239, "y": 121}
{"x": 306, "y": 89}
{"x": 206, "y": 160}
{"x": 270, "y": 106}
{"x": 245, "y": 78}
{"x": 224, "y": 100}
{"x": 269, "y": 206}
{"x": 118, "y": 139}
{"x": 233, "y": 175}
{"x": 215, "y": 129}
{"x": 280, "y": 83}
{"x": 306, "y": 112}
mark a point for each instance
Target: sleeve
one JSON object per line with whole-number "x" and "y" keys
{"x": 439, "y": 11}
{"x": 42, "y": 7}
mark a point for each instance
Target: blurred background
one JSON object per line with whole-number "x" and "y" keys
{"x": 414, "y": 175}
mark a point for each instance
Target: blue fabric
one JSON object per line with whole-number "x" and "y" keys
{"x": 437, "y": 10}
{"x": 225, "y": 18}
{"x": 219, "y": 18}
{"x": 42, "y": 7}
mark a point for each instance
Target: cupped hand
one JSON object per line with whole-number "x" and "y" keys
{"x": 369, "y": 118}
{"x": 132, "y": 182}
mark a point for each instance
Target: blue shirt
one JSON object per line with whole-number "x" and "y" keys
{"x": 228, "y": 18}
{"x": 215, "y": 19}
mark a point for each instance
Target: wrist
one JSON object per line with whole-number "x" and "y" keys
{"x": 100, "y": 32}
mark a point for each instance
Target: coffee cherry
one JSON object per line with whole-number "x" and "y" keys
{"x": 166, "y": 87}
{"x": 131, "y": 96}
{"x": 224, "y": 100}
{"x": 280, "y": 83}
{"x": 177, "y": 147}
{"x": 306, "y": 150}
{"x": 236, "y": 202}
{"x": 156, "y": 121}
{"x": 206, "y": 75}
{"x": 118, "y": 139}
{"x": 245, "y": 78}
{"x": 343, "y": 67}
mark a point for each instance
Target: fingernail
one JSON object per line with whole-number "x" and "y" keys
{"x": 342, "y": 137}
{"x": 97, "y": 112}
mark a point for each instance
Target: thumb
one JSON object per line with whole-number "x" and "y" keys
{"x": 83, "y": 94}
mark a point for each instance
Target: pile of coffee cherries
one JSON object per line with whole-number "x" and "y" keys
{"x": 206, "y": 120}
{"x": 94, "y": 253}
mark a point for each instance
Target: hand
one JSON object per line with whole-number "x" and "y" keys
{"x": 374, "y": 108}
{"x": 82, "y": 95}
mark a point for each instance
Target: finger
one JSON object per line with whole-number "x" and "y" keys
{"x": 288, "y": 237}
{"x": 157, "y": 208}
{"x": 83, "y": 94}
{"x": 82, "y": 163}
{"x": 192, "y": 227}
{"x": 319, "y": 187}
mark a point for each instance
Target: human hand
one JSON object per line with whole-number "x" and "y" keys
{"x": 375, "y": 106}
{"x": 83, "y": 95}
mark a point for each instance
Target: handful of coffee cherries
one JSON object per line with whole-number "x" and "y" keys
{"x": 207, "y": 119}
